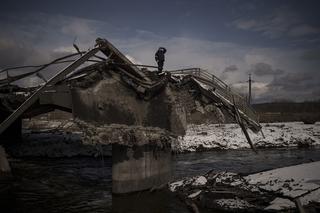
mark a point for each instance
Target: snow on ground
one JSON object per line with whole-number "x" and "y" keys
{"x": 230, "y": 136}
{"x": 200, "y": 181}
{"x": 233, "y": 203}
{"x": 194, "y": 181}
{"x": 293, "y": 181}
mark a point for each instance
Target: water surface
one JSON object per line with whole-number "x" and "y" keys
{"x": 84, "y": 184}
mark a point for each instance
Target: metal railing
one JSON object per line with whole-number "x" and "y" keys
{"x": 35, "y": 96}
{"x": 220, "y": 88}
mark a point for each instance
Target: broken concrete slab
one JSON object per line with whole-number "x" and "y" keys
{"x": 269, "y": 191}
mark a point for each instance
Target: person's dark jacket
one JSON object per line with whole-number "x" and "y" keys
{"x": 159, "y": 56}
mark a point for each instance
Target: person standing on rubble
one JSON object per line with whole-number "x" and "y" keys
{"x": 159, "y": 56}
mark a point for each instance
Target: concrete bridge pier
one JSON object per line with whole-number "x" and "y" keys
{"x": 141, "y": 156}
{"x": 140, "y": 167}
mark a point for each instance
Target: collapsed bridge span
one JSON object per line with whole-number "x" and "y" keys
{"x": 113, "y": 90}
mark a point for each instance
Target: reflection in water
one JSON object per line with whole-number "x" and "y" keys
{"x": 241, "y": 161}
{"x": 84, "y": 184}
{"x": 57, "y": 185}
{"x": 145, "y": 202}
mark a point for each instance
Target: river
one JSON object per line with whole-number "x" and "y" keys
{"x": 84, "y": 184}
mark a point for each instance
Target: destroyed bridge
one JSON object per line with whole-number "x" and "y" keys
{"x": 112, "y": 90}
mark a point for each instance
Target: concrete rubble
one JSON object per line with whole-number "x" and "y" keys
{"x": 125, "y": 135}
{"x": 274, "y": 190}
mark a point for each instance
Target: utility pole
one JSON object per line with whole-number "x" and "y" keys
{"x": 250, "y": 82}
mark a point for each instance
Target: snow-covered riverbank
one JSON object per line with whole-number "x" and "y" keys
{"x": 64, "y": 138}
{"x": 230, "y": 136}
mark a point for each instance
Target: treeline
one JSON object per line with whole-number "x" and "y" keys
{"x": 307, "y": 112}
{"x": 288, "y": 107}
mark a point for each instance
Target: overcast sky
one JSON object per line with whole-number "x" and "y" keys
{"x": 278, "y": 41}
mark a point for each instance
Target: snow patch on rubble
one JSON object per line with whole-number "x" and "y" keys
{"x": 193, "y": 181}
{"x": 233, "y": 203}
{"x": 232, "y": 179}
{"x": 200, "y": 181}
{"x": 230, "y": 136}
{"x": 193, "y": 195}
{"x": 280, "y": 204}
{"x": 173, "y": 186}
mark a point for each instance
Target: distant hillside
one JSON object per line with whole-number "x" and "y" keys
{"x": 288, "y": 107}
{"x": 307, "y": 112}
